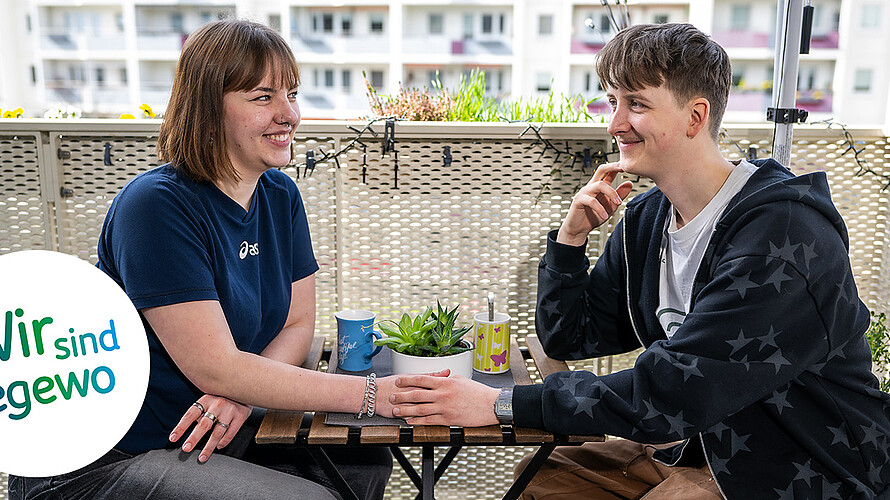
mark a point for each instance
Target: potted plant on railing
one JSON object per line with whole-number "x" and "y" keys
{"x": 428, "y": 343}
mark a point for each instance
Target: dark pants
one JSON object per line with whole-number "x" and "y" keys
{"x": 241, "y": 471}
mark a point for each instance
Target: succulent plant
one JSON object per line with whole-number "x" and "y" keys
{"x": 430, "y": 333}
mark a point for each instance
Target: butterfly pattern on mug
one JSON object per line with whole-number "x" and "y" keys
{"x": 492, "y": 347}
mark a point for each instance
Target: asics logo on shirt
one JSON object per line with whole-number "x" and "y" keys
{"x": 248, "y": 249}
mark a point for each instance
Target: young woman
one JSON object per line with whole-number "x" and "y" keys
{"x": 213, "y": 249}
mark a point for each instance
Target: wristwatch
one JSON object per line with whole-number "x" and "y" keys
{"x": 503, "y": 406}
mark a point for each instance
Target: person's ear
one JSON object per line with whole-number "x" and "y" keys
{"x": 699, "y": 111}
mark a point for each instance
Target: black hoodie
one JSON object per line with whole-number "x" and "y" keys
{"x": 769, "y": 377}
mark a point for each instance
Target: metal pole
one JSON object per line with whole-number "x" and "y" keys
{"x": 788, "y": 33}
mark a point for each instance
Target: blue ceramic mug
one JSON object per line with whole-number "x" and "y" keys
{"x": 355, "y": 339}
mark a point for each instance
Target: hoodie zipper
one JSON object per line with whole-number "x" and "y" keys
{"x": 708, "y": 461}
{"x": 630, "y": 312}
{"x": 636, "y": 333}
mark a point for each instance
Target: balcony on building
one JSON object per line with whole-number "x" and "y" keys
{"x": 465, "y": 33}
{"x": 77, "y": 30}
{"x": 164, "y": 28}
{"x": 753, "y": 24}
{"x": 593, "y": 24}
{"x": 156, "y": 82}
{"x": 96, "y": 87}
{"x": 497, "y": 78}
{"x": 339, "y": 91}
{"x": 350, "y": 32}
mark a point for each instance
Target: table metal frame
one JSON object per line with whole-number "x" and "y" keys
{"x": 286, "y": 427}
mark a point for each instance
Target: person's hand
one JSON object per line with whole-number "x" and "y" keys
{"x": 593, "y": 205}
{"x": 386, "y": 387}
{"x": 442, "y": 400}
{"x": 230, "y": 416}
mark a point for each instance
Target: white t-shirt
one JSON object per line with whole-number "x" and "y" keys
{"x": 682, "y": 250}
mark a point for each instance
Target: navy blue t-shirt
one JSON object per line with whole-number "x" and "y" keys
{"x": 168, "y": 239}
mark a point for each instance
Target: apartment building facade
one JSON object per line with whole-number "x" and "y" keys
{"x": 107, "y": 57}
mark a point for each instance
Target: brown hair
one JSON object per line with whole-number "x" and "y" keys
{"x": 220, "y": 57}
{"x": 688, "y": 62}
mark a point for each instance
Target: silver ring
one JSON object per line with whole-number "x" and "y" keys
{"x": 199, "y": 406}
{"x": 222, "y": 424}
{"x": 211, "y": 416}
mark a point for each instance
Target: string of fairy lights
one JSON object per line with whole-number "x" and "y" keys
{"x": 565, "y": 157}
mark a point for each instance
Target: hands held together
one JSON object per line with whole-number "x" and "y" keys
{"x": 437, "y": 399}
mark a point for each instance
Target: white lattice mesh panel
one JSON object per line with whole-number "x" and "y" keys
{"x": 319, "y": 192}
{"x": 453, "y": 233}
{"x": 22, "y": 219}
{"x": 93, "y": 185}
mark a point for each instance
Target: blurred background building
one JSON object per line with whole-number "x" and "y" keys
{"x": 107, "y": 57}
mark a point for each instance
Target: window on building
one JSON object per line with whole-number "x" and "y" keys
{"x": 377, "y": 79}
{"x": 176, "y": 22}
{"x": 329, "y": 78}
{"x": 33, "y": 74}
{"x": 315, "y": 23}
{"x": 376, "y": 23}
{"x": 346, "y": 24}
{"x": 502, "y": 24}
{"x": 468, "y": 26}
{"x": 660, "y": 18}
{"x": 871, "y": 16}
{"x": 545, "y": 24}
{"x": 316, "y": 82}
{"x": 862, "y": 80}
{"x": 275, "y": 22}
{"x": 436, "y": 23}
{"x": 739, "y": 17}
{"x": 123, "y": 75}
{"x": 587, "y": 80}
{"x": 433, "y": 75}
{"x": 206, "y": 17}
{"x": 118, "y": 22}
{"x": 500, "y": 78}
{"x": 28, "y": 21}
{"x": 487, "y": 20}
{"x": 346, "y": 80}
{"x": 327, "y": 23}
{"x": 737, "y": 76}
{"x": 605, "y": 25}
{"x": 100, "y": 76}
{"x": 542, "y": 82}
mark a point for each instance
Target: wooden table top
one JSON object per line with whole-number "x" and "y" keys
{"x": 286, "y": 427}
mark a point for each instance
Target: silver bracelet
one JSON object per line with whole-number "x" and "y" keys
{"x": 370, "y": 399}
{"x": 372, "y": 394}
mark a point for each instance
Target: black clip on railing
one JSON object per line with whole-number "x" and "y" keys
{"x": 786, "y": 115}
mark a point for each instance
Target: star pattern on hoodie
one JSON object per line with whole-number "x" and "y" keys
{"x": 776, "y": 359}
{"x": 769, "y": 338}
{"x": 677, "y": 423}
{"x": 804, "y": 472}
{"x": 839, "y": 435}
{"x": 830, "y": 490}
{"x": 778, "y": 277}
{"x": 780, "y": 400}
{"x": 785, "y": 252}
{"x": 742, "y": 284}
{"x": 739, "y": 343}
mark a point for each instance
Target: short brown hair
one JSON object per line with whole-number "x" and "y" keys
{"x": 688, "y": 62}
{"x": 220, "y": 57}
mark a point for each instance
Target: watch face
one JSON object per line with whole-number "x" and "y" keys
{"x": 504, "y": 406}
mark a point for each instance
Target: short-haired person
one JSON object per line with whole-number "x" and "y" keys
{"x": 213, "y": 249}
{"x": 734, "y": 277}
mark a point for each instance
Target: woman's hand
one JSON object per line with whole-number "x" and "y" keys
{"x": 230, "y": 416}
{"x": 593, "y": 205}
{"x": 443, "y": 400}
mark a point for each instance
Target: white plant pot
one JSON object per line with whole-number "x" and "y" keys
{"x": 459, "y": 364}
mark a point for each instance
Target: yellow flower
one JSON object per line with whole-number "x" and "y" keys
{"x": 146, "y": 110}
{"x": 127, "y": 116}
{"x": 13, "y": 113}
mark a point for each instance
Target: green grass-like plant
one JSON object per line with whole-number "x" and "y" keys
{"x": 468, "y": 102}
{"x": 429, "y": 334}
{"x": 879, "y": 340}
